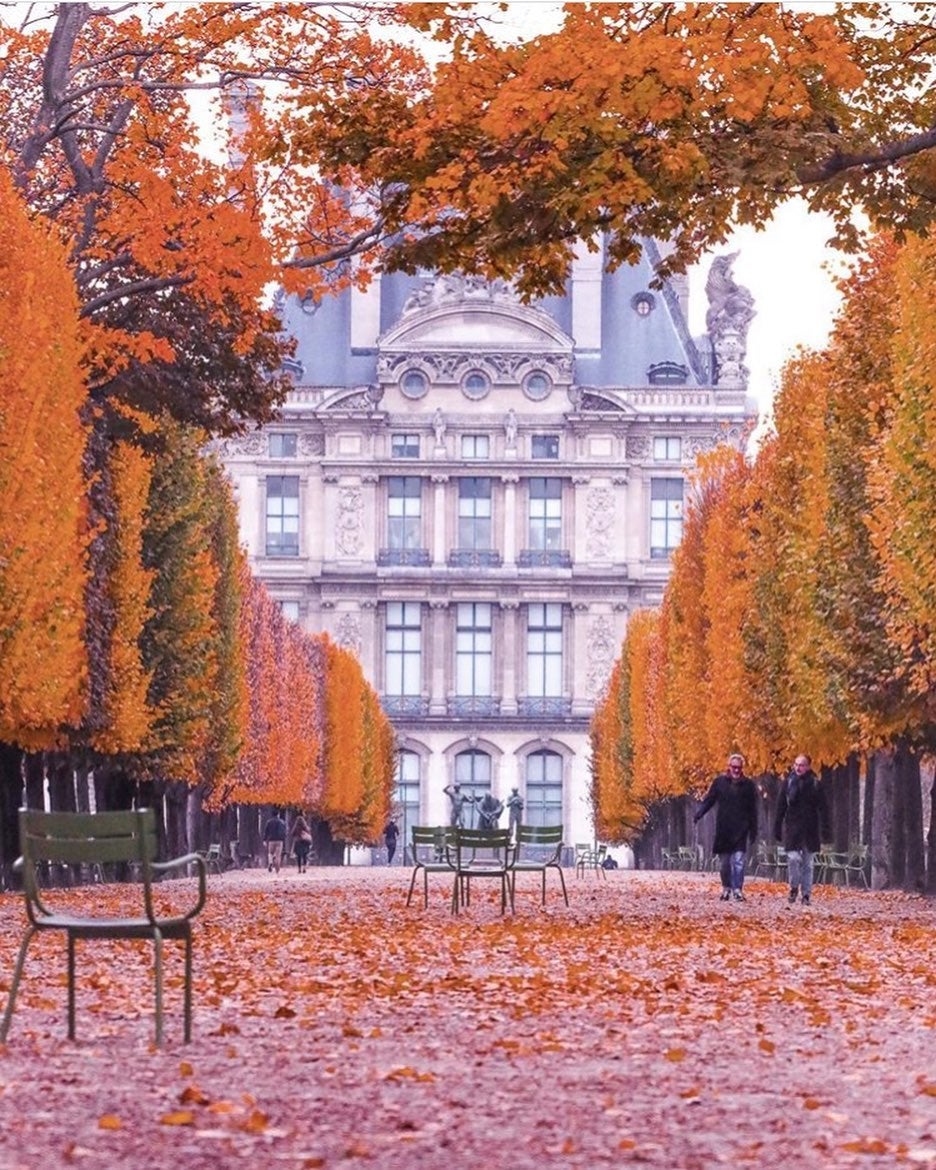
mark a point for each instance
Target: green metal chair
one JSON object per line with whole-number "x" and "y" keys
{"x": 481, "y": 853}
{"x": 98, "y": 839}
{"x": 538, "y": 848}
{"x": 428, "y": 848}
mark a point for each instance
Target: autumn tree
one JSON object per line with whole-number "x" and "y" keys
{"x": 644, "y": 121}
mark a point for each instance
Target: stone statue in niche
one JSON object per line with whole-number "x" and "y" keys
{"x": 438, "y": 427}
{"x": 510, "y": 428}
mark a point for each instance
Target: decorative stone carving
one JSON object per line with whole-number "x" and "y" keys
{"x": 695, "y": 444}
{"x": 348, "y": 633}
{"x": 448, "y": 368}
{"x": 638, "y": 447}
{"x": 599, "y": 523}
{"x": 438, "y": 427}
{"x": 252, "y": 444}
{"x": 311, "y": 444}
{"x": 730, "y": 312}
{"x": 602, "y": 648}
{"x": 453, "y": 288}
{"x": 349, "y": 537}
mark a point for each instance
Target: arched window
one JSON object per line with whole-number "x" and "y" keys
{"x": 406, "y": 795}
{"x": 473, "y": 773}
{"x": 543, "y": 789}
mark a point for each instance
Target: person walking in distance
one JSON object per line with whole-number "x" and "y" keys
{"x": 735, "y": 823}
{"x": 274, "y": 837}
{"x": 801, "y": 824}
{"x": 390, "y": 834}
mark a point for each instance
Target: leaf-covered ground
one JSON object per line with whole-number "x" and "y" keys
{"x": 649, "y": 1024}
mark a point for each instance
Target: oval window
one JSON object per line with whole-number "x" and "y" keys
{"x": 537, "y": 386}
{"x": 414, "y": 384}
{"x": 475, "y": 386}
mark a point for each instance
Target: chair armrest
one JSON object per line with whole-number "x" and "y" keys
{"x": 189, "y": 859}
{"x": 18, "y": 865}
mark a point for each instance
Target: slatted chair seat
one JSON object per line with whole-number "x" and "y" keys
{"x": 429, "y": 856}
{"x": 539, "y": 848}
{"x": 96, "y": 839}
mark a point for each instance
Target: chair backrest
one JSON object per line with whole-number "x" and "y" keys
{"x": 495, "y": 843}
{"x": 540, "y": 839}
{"x": 84, "y": 839}
{"x": 429, "y": 841}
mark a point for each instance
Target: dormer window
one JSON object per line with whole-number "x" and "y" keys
{"x": 643, "y": 304}
{"x": 668, "y": 374}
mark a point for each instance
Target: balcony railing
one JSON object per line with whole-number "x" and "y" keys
{"x": 474, "y": 558}
{"x": 403, "y": 556}
{"x": 405, "y": 704}
{"x": 474, "y": 705}
{"x": 545, "y": 558}
{"x": 544, "y": 707}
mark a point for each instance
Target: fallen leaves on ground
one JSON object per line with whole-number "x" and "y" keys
{"x": 647, "y": 1024}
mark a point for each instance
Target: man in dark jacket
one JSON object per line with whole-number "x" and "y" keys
{"x": 274, "y": 837}
{"x": 735, "y": 824}
{"x": 801, "y": 824}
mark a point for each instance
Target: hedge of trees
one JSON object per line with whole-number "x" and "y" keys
{"x": 801, "y": 610}
{"x": 139, "y": 661}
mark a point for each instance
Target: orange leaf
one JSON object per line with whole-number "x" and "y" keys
{"x": 178, "y": 1117}
{"x": 109, "y": 1121}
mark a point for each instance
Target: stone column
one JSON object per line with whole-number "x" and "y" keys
{"x": 439, "y": 543}
{"x": 508, "y": 651}
{"x": 509, "y": 543}
{"x": 439, "y": 641}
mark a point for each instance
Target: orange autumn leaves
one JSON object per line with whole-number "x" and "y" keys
{"x": 44, "y": 530}
{"x": 800, "y": 607}
{"x": 129, "y": 624}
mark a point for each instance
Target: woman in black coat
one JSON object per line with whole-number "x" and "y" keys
{"x": 801, "y": 824}
{"x": 735, "y": 824}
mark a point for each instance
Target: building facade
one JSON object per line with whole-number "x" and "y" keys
{"x": 472, "y": 494}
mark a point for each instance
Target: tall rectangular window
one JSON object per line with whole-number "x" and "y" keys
{"x": 544, "y": 650}
{"x": 474, "y": 513}
{"x": 282, "y": 516}
{"x": 403, "y": 657}
{"x": 473, "y": 649}
{"x": 543, "y": 804}
{"x": 666, "y": 516}
{"x": 283, "y": 445}
{"x": 545, "y": 513}
{"x": 406, "y": 797}
{"x": 404, "y": 505}
{"x": 289, "y": 610}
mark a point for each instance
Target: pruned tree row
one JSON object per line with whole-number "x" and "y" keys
{"x": 801, "y": 609}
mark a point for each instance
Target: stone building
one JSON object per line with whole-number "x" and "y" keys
{"x": 473, "y": 493}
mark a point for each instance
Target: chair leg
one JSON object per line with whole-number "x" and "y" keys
{"x": 188, "y": 988}
{"x": 558, "y": 869}
{"x": 157, "y": 946}
{"x": 14, "y": 986}
{"x": 409, "y": 896}
{"x": 71, "y": 986}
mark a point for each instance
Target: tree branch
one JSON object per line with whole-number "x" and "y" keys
{"x": 134, "y": 288}
{"x": 837, "y": 163}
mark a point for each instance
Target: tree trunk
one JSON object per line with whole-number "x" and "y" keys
{"x": 61, "y": 782}
{"x": 11, "y": 797}
{"x": 931, "y": 841}
{"x": 853, "y": 782}
{"x": 914, "y": 877}
{"x": 83, "y": 788}
{"x": 882, "y": 820}
{"x": 34, "y": 768}
{"x": 326, "y": 850}
{"x": 248, "y": 831}
{"x": 176, "y": 828}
